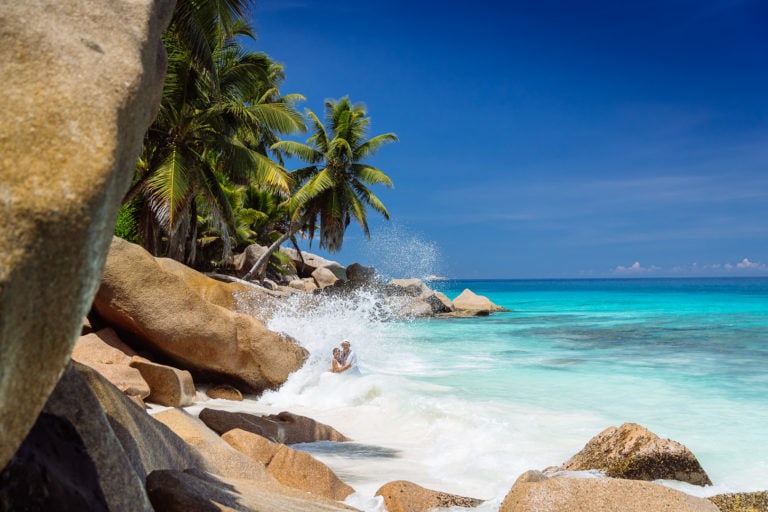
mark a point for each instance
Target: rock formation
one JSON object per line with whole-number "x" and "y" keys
{"x": 167, "y": 385}
{"x": 105, "y": 352}
{"x": 741, "y": 502}
{"x": 291, "y": 467}
{"x": 403, "y": 496}
{"x": 470, "y": 303}
{"x": 191, "y": 490}
{"x": 81, "y": 84}
{"x": 534, "y": 492}
{"x": 634, "y": 452}
{"x": 285, "y": 428}
{"x": 163, "y": 315}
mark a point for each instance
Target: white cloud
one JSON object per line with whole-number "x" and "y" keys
{"x": 635, "y": 268}
{"x": 745, "y": 264}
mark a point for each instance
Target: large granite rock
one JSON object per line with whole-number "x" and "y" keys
{"x": 634, "y": 452}
{"x": 212, "y": 290}
{"x": 534, "y": 492}
{"x": 285, "y": 428}
{"x": 221, "y": 458}
{"x": 81, "y": 83}
{"x": 91, "y": 443}
{"x": 52, "y": 471}
{"x": 164, "y": 315}
{"x": 187, "y": 491}
{"x": 291, "y": 467}
{"x": 403, "y": 496}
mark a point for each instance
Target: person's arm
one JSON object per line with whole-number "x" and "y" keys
{"x": 351, "y": 360}
{"x": 335, "y": 366}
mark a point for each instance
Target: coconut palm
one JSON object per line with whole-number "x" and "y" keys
{"x": 334, "y": 188}
{"x": 221, "y": 106}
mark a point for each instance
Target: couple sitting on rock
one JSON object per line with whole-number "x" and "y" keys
{"x": 344, "y": 360}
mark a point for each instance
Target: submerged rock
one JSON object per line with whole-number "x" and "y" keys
{"x": 81, "y": 83}
{"x": 634, "y": 452}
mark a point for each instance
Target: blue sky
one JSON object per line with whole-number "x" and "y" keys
{"x": 548, "y": 138}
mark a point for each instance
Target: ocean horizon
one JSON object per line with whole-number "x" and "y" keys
{"x": 466, "y": 405}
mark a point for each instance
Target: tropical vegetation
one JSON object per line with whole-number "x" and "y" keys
{"x": 211, "y": 177}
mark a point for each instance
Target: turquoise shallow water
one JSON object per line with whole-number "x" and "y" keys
{"x": 467, "y": 405}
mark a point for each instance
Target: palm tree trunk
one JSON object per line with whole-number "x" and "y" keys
{"x": 259, "y": 269}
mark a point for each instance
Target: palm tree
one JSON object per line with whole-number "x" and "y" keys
{"x": 334, "y": 188}
{"x": 221, "y": 108}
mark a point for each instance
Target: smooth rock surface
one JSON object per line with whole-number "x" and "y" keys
{"x": 285, "y": 428}
{"x": 469, "y": 301}
{"x": 161, "y": 313}
{"x": 533, "y": 492}
{"x": 81, "y": 83}
{"x": 196, "y": 491}
{"x": 106, "y": 353}
{"x": 291, "y": 467}
{"x": 222, "y": 459}
{"x": 404, "y": 496}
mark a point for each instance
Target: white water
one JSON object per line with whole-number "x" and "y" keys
{"x": 440, "y": 436}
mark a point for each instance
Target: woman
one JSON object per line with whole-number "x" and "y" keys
{"x": 336, "y": 362}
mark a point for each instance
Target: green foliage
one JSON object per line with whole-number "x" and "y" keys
{"x": 334, "y": 189}
{"x": 126, "y": 226}
{"x": 221, "y": 111}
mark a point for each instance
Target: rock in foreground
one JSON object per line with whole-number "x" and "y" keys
{"x": 81, "y": 83}
{"x": 291, "y": 467}
{"x": 403, "y": 496}
{"x": 285, "y": 428}
{"x": 187, "y": 491}
{"x": 634, "y": 452}
{"x": 534, "y": 492}
{"x": 741, "y": 502}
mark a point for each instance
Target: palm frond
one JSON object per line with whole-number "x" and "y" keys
{"x": 371, "y": 175}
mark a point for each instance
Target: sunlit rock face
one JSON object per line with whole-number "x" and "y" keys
{"x": 159, "y": 313}
{"x": 82, "y": 80}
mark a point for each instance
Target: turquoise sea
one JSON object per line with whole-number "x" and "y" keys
{"x": 467, "y": 405}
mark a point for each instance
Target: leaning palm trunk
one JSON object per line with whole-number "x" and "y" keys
{"x": 259, "y": 269}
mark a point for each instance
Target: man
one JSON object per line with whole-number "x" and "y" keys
{"x": 348, "y": 358}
